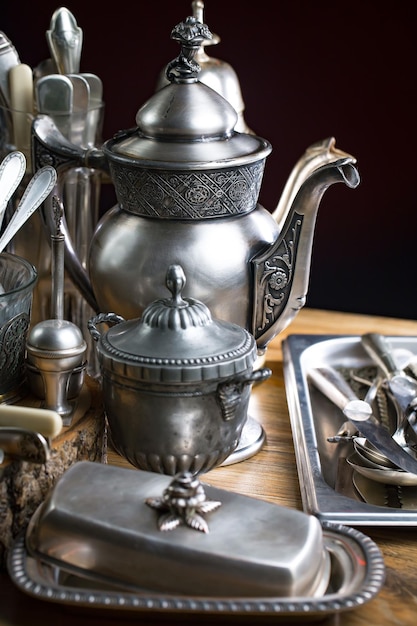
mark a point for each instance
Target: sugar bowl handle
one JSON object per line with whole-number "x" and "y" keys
{"x": 229, "y": 393}
{"x": 102, "y": 318}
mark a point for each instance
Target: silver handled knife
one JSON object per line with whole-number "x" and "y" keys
{"x": 333, "y": 385}
{"x": 402, "y": 386}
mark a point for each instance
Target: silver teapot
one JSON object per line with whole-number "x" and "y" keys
{"x": 187, "y": 185}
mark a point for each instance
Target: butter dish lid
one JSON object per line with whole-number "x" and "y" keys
{"x": 143, "y": 530}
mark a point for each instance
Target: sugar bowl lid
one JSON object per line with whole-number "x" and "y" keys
{"x": 186, "y": 124}
{"x": 176, "y": 341}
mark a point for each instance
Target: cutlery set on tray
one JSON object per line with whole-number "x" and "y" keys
{"x": 370, "y": 454}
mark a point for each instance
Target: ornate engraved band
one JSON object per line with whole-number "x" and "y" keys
{"x": 191, "y": 195}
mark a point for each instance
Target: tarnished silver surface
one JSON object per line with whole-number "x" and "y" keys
{"x": 403, "y": 388}
{"x": 176, "y": 382}
{"x": 324, "y": 474}
{"x": 332, "y": 383}
{"x": 382, "y": 495}
{"x": 38, "y": 188}
{"x": 380, "y": 474}
{"x": 12, "y": 170}
{"x": 23, "y": 444}
{"x": 65, "y": 40}
{"x": 215, "y": 73}
{"x": 183, "y": 501}
{"x": 256, "y": 554}
{"x": 350, "y": 587}
{"x": 187, "y": 186}
{"x": 251, "y": 440}
{"x": 55, "y": 347}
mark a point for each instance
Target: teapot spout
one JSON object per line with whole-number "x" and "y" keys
{"x": 282, "y": 272}
{"x": 318, "y": 154}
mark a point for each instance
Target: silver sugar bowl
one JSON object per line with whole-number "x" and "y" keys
{"x": 175, "y": 383}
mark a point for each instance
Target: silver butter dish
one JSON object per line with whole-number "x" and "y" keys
{"x": 98, "y": 541}
{"x": 105, "y": 522}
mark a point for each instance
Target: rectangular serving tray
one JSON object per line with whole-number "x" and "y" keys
{"x": 325, "y": 477}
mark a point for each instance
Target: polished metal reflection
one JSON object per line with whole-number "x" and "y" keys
{"x": 55, "y": 347}
{"x": 176, "y": 383}
{"x": 187, "y": 186}
{"x": 253, "y": 549}
{"x": 325, "y": 475}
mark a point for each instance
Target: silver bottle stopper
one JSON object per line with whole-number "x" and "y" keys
{"x": 56, "y": 347}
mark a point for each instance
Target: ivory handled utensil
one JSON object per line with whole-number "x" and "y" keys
{"x": 44, "y": 421}
{"x": 21, "y": 104}
{"x": 334, "y": 386}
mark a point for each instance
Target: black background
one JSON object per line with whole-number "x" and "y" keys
{"x": 308, "y": 70}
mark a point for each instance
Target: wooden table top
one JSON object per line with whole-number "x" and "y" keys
{"x": 271, "y": 474}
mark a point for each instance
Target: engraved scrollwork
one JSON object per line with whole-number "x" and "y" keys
{"x": 188, "y": 194}
{"x": 12, "y": 343}
{"x": 274, "y": 277}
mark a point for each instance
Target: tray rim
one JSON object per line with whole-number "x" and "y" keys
{"x": 363, "y": 549}
{"x": 319, "y": 498}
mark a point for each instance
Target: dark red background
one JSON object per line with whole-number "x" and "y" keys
{"x": 308, "y": 70}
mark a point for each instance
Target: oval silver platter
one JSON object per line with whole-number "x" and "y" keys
{"x": 325, "y": 476}
{"x": 357, "y": 575}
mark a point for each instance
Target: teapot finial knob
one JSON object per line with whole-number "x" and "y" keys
{"x": 190, "y": 34}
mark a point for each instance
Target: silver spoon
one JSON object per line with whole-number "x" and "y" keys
{"x": 38, "y": 189}
{"x": 54, "y": 96}
{"x": 386, "y": 476}
{"x": 65, "y": 40}
{"x": 370, "y": 454}
{"x": 12, "y": 170}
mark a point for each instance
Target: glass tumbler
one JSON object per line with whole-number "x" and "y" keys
{"x": 17, "y": 281}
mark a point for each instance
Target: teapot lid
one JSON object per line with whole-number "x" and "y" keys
{"x": 177, "y": 341}
{"x": 215, "y": 73}
{"x": 187, "y": 124}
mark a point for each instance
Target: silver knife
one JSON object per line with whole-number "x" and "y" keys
{"x": 402, "y": 386}
{"x": 334, "y": 386}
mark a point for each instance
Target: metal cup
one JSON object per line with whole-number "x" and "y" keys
{"x": 17, "y": 281}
